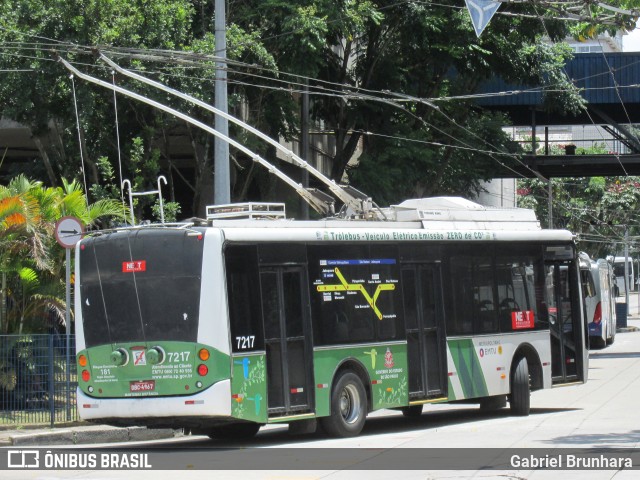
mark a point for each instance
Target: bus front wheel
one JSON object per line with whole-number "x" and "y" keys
{"x": 348, "y": 407}
{"x": 520, "y": 398}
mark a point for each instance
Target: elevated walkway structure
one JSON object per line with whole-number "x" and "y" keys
{"x": 610, "y": 83}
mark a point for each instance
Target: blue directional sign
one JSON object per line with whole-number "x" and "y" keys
{"x": 481, "y": 12}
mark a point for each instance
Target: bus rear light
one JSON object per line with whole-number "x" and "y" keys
{"x": 597, "y": 315}
{"x": 203, "y": 354}
{"x": 82, "y": 360}
{"x": 202, "y": 370}
{"x": 86, "y": 376}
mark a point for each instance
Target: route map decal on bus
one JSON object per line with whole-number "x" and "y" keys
{"x": 352, "y": 279}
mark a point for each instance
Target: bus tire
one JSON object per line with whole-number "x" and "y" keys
{"x": 612, "y": 338}
{"x": 234, "y": 431}
{"x": 520, "y": 398}
{"x": 412, "y": 411}
{"x": 348, "y": 407}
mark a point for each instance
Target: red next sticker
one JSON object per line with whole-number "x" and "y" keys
{"x": 135, "y": 266}
{"x": 520, "y": 320}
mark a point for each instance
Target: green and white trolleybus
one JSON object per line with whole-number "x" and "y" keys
{"x": 249, "y": 318}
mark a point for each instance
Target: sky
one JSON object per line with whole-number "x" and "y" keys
{"x": 631, "y": 41}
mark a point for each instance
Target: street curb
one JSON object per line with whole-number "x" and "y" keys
{"x": 627, "y": 329}
{"x": 91, "y": 435}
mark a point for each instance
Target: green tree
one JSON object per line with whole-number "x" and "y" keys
{"x": 417, "y": 53}
{"x": 31, "y": 262}
{"x": 384, "y": 76}
{"x": 597, "y": 209}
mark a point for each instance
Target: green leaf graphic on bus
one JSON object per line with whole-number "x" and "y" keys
{"x": 249, "y": 388}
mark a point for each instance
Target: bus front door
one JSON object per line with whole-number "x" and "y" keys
{"x": 425, "y": 329}
{"x": 565, "y": 324}
{"x": 287, "y": 341}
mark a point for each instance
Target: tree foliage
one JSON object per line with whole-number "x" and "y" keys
{"x": 383, "y": 77}
{"x": 597, "y": 209}
{"x": 31, "y": 262}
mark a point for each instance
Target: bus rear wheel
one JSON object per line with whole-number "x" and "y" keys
{"x": 348, "y": 407}
{"x": 520, "y": 398}
{"x": 234, "y": 431}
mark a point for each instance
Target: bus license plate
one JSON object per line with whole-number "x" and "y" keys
{"x": 142, "y": 386}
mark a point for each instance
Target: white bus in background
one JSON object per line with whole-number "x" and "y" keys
{"x": 599, "y": 300}
{"x": 618, "y": 270}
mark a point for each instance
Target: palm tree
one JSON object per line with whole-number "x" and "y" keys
{"x": 31, "y": 262}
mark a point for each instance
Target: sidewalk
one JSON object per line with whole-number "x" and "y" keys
{"x": 82, "y": 433}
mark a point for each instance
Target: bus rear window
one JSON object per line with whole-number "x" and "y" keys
{"x": 140, "y": 285}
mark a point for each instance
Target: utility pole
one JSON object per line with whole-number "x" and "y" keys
{"x": 222, "y": 178}
{"x": 626, "y": 264}
{"x": 304, "y": 145}
{"x": 550, "y": 202}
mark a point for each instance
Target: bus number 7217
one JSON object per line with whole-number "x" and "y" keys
{"x": 245, "y": 342}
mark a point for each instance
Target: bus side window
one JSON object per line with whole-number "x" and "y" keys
{"x": 361, "y": 327}
{"x": 245, "y": 315}
{"x": 462, "y": 285}
{"x": 483, "y": 280}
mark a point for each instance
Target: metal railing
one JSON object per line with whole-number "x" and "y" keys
{"x": 37, "y": 386}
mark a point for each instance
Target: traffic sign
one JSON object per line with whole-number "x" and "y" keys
{"x": 481, "y": 12}
{"x": 69, "y": 231}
